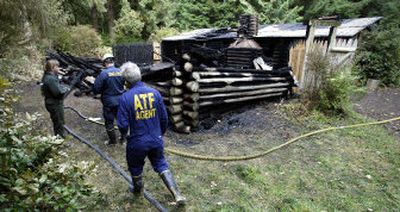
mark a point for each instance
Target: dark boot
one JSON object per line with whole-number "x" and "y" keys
{"x": 112, "y": 138}
{"x": 122, "y": 139}
{"x": 137, "y": 185}
{"x": 169, "y": 181}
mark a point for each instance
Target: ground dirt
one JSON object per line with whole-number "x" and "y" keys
{"x": 380, "y": 105}
{"x": 321, "y": 173}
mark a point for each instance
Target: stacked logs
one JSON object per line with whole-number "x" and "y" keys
{"x": 183, "y": 105}
{"x": 199, "y": 89}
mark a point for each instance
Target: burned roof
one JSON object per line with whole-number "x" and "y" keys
{"x": 348, "y": 28}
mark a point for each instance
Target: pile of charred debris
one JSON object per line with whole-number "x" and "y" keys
{"x": 201, "y": 80}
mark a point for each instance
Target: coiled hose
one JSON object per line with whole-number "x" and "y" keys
{"x": 254, "y": 156}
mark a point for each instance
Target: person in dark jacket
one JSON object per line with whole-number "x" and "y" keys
{"x": 110, "y": 85}
{"x": 53, "y": 94}
{"x": 142, "y": 112}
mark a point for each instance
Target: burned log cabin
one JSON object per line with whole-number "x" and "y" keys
{"x": 217, "y": 67}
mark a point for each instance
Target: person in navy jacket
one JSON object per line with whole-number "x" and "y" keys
{"x": 142, "y": 112}
{"x": 110, "y": 84}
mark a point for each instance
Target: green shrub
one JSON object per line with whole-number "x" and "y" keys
{"x": 22, "y": 64}
{"x": 379, "y": 56}
{"x": 35, "y": 174}
{"x": 328, "y": 87}
{"x": 334, "y": 95}
{"x": 129, "y": 26}
{"x": 81, "y": 40}
{"x": 162, "y": 33}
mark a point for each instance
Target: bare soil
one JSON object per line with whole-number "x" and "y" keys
{"x": 380, "y": 105}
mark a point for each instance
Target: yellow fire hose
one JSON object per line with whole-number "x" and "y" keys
{"x": 249, "y": 157}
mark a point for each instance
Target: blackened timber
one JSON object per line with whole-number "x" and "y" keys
{"x": 192, "y": 86}
{"x": 163, "y": 91}
{"x": 175, "y": 100}
{"x": 240, "y": 99}
{"x": 194, "y": 97}
{"x": 240, "y": 94}
{"x": 176, "y": 118}
{"x": 278, "y": 72}
{"x": 177, "y": 82}
{"x": 230, "y": 88}
{"x": 244, "y": 79}
{"x": 234, "y": 74}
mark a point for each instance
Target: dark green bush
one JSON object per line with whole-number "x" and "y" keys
{"x": 81, "y": 40}
{"x": 379, "y": 56}
{"x": 35, "y": 174}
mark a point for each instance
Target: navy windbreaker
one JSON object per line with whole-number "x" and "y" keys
{"x": 110, "y": 84}
{"x": 142, "y": 110}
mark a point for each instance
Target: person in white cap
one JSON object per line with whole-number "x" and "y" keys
{"x": 110, "y": 84}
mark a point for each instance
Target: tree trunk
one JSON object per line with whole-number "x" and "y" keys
{"x": 95, "y": 18}
{"x": 110, "y": 18}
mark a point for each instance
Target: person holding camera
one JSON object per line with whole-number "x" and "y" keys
{"x": 53, "y": 94}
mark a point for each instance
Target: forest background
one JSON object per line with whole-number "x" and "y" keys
{"x": 87, "y": 27}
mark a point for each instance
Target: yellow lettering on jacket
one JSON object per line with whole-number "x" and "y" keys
{"x": 138, "y": 104}
{"x": 144, "y": 106}
{"x": 114, "y": 74}
{"x": 143, "y": 96}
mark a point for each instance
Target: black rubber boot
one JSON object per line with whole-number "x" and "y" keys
{"x": 169, "y": 181}
{"x": 137, "y": 185}
{"x": 112, "y": 138}
{"x": 122, "y": 139}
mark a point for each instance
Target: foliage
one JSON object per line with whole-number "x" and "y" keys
{"x": 204, "y": 13}
{"x": 379, "y": 57}
{"x": 29, "y": 21}
{"x": 81, "y": 40}
{"x": 162, "y": 33}
{"x": 335, "y": 92}
{"x": 35, "y": 173}
{"x": 23, "y": 64}
{"x": 128, "y": 27}
{"x": 329, "y": 90}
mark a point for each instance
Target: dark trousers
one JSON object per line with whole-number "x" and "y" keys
{"x": 110, "y": 113}
{"x": 57, "y": 117}
{"x": 138, "y": 150}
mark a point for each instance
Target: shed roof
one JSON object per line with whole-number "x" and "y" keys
{"x": 348, "y": 28}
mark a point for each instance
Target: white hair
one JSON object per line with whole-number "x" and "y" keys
{"x": 131, "y": 72}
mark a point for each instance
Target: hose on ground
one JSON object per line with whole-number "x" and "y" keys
{"x": 254, "y": 156}
{"x": 116, "y": 167}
